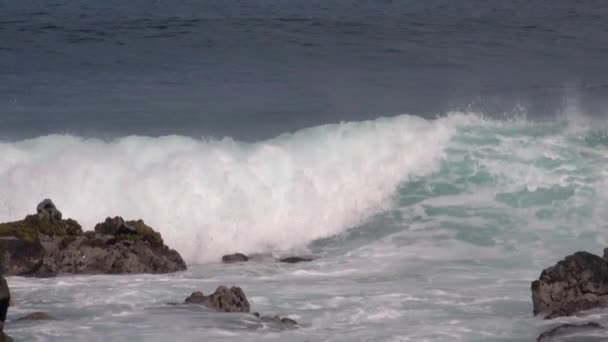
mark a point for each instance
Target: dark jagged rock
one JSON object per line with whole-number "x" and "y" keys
{"x": 36, "y": 316}
{"x": 46, "y": 209}
{"x": 236, "y": 257}
{"x": 294, "y": 260}
{"x": 5, "y": 302}
{"x": 115, "y": 226}
{"x": 567, "y": 329}
{"x": 5, "y": 299}
{"x": 45, "y": 246}
{"x": 223, "y": 299}
{"x": 577, "y": 283}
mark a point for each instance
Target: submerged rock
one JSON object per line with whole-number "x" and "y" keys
{"x": 577, "y": 283}
{"x": 567, "y": 329}
{"x": 36, "y": 316}
{"x": 236, "y": 257}
{"x": 44, "y": 245}
{"x": 295, "y": 260}
{"x": 284, "y": 321}
{"x": 278, "y": 321}
{"x": 223, "y": 299}
{"x": 235, "y": 300}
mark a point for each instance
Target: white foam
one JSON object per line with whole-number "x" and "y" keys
{"x": 209, "y": 197}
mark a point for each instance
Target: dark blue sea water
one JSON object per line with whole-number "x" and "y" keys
{"x": 255, "y": 69}
{"x": 433, "y": 156}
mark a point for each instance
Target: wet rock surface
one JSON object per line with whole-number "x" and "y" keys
{"x": 282, "y": 321}
{"x": 566, "y": 330}
{"x": 234, "y": 300}
{"x": 223, "y": 299}
{"x": 44, "y": 245}
{"x": 236, "y": 257}
{"x": 36, "y": 316}
{"x": 577, "y": 283}
{"x": 295, "y": 259}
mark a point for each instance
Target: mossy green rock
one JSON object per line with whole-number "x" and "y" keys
{"x": 129, "y": 230}
{"x": 29, "y": 229}
{"x": 42, "y": 245}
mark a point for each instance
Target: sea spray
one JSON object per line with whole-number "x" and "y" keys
{"x": 210, "y": 197}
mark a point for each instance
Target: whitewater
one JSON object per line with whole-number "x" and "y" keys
{"x": 422, "y": 229}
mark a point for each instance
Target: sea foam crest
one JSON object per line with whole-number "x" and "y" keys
{"x": 209, "y": 197}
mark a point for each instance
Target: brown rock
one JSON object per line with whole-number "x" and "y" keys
{"x": 44, "y": 246}
{"x": 223, "y": 299}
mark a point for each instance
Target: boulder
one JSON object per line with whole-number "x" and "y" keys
{"x": 236, "y": 257}
{"x": 577, "y": 283}
{"x": 36, "y": 316}
{"x": 294, "y": 259}
{"x": 223, "y": 299}
{"x": 45, "y": 246}
{"x": 46, "y": 209}
{"x": 564, "y": 330}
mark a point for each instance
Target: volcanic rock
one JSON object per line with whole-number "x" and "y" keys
{"x": 43, "y": 245}
{"x": 295, "y": 260}
{"x": 47, "y": 209}
{"x": 577, "y": 283}
{"x": 564, "y": 330}
{"x": 236, "y": 257}
{"x": 223, "y": 299}
{"x": 36, "y": 316}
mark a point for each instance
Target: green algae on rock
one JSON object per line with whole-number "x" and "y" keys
{"x": 29, "y": 229}
{"x": 44, "y": 245}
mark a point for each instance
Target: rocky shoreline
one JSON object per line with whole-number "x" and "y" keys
{"x": 46, "y": 245}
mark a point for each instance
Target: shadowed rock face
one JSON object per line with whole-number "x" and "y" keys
{"x": 567, "y": 329}
{"x": 44, "y": 245}
{"x": 223, "y": 299}
{"x": 577, "y": 283}
{"x": 5, "y": 300}
{"x": 47, "y": 209}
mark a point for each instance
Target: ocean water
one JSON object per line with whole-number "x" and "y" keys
{"x": 279, "y": 128}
